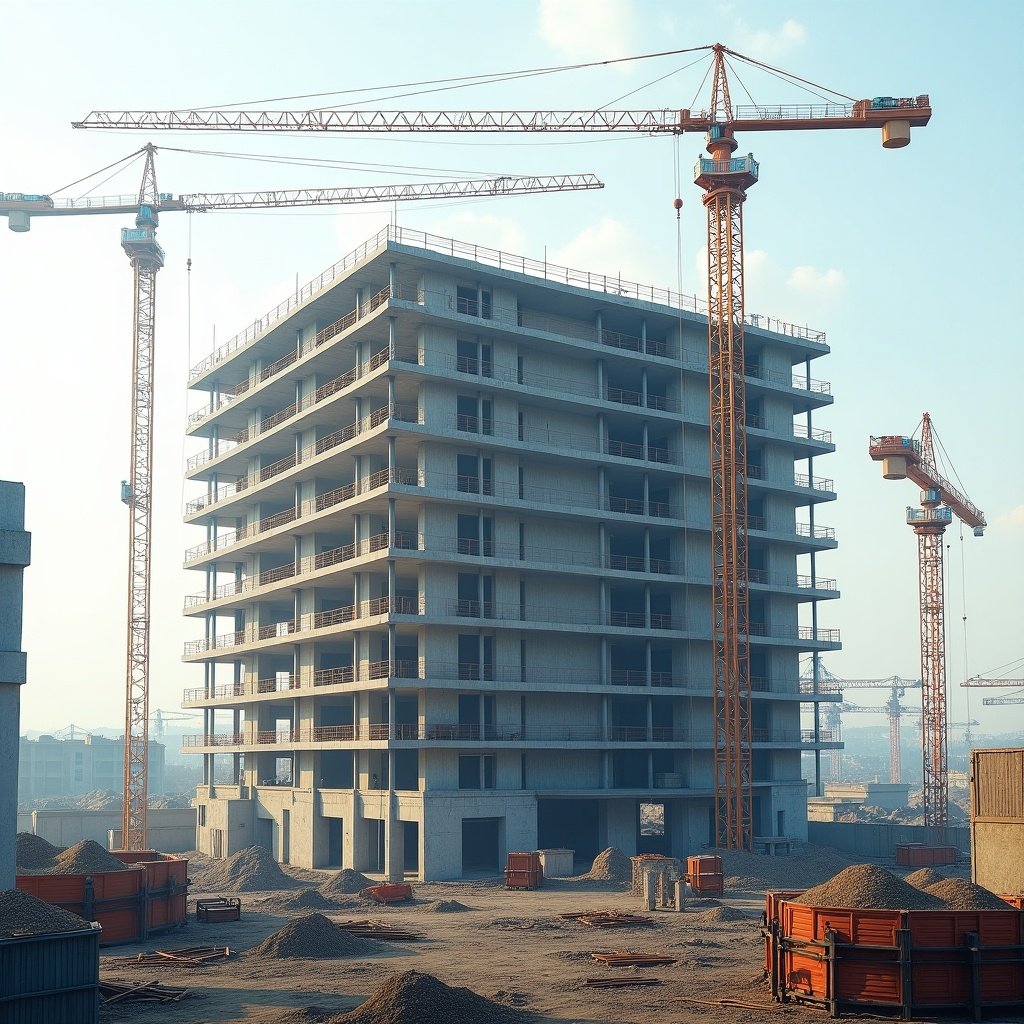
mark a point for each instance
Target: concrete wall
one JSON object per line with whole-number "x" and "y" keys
{"x": 176, "y": 827}
{"x": 878, "y": 840}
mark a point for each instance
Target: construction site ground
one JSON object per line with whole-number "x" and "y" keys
{"x": 511, "y": 945}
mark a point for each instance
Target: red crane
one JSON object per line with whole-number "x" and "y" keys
{"x": 907, "y": 458}
{"x": 147, "y": 257}
{"x": 725, "y": 180}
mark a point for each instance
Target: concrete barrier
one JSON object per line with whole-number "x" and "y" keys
{"x": 175, "y": 826}
{"x": 877, "y": 840}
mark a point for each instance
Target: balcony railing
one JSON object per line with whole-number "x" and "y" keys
{"x": 380, "y": 417}
{"x": 373, "y": 608}
{"x": 457, "y": 732}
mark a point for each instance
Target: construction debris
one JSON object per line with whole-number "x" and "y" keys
{"x": 377, "y": 930}
{"x": 634, "y": 959}
{"x": 189, "y": 956}
{"x": 151, "y": 992}
{"x": 613, "y": 919}
{"x": 620, "y": 982}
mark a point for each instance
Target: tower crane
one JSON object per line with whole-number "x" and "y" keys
{"x": 147, "y": 257}
{"x": 160, "y": 718}
{"x": 724, "y": 180}
{"x": 902, "y": 458}
{"x": 1001, "y": 701}
{"x": 897, "y": 687}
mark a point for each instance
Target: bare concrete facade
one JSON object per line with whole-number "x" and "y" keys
{"x": 457, "y": 566}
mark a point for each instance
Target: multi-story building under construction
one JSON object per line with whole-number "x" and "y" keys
{"x": 457, "y": 564}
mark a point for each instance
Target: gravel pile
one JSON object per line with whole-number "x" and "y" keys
{"x": 306, "y": 899}
{"x": 417, "y": 998}
{"x": 345, "y": 883}
{"x": 22, "y": 914}
{"x": 867, "y": 887}
{"x": 718, "y": 914}
{"x": 959, "y": 894}
{"x": 610, "y": 865}
{"x": 86, "y": 858}
{"x": 313, "y": 937}
{"x": 446, "y": 907}
{"x": 922, "y": 878}
{"x": 250, "y": 870}
{"x": 807, "y": 865}
{"x": 33, "y": 853}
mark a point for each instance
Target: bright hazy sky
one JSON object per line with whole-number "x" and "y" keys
{"x": 908, "y": 259}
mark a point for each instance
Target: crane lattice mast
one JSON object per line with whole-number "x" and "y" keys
{"x": 147, "y": 257}
{"x": 901, "y": 458}
{"x": 724, "y": 181}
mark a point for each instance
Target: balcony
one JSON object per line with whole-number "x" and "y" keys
{"x": 378, "y": 418}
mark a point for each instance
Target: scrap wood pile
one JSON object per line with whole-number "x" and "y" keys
{"x": 634, "y": 959}
{"x": 151, "y": 992}
{"x": 189, "y": 956}
{"x": 377, "y": 930}
{"x": 607, "y": 919}
{"x": 621, "y": 982}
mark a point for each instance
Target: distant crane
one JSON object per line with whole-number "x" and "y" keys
{"x": 897, "y": 687}
{"x": 1006, "y": 699}
{"x": 904, "y": 457}
{"x": 160, "y": 718}
{"x": 147, "y": 257}
{"x": 724, "y": 180}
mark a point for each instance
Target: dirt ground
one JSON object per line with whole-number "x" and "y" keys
{"x": 511, "y": 944}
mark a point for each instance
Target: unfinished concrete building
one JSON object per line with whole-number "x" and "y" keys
{"x": 457, "y": 566}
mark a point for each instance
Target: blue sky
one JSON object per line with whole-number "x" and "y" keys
{"x": 907, "y": 259}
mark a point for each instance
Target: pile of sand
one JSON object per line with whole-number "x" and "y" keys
{"x": 922, "y": 878}
{"x": 867, "y": 887}
{"x": 417, "y": 998}
{"x": 959, "y": 894}
{"x": 345, "y": 883}
{"x": 305, "y": 899}
{"x": 33, "y": 853}
{"x": 716, "y": 915}
{"x": 806, "y": 865}
{"x": 313, "y": 937}
{"x": 250, "y": 870}
{"x": 446, "y": 907}
{"x": 610, "y": 865}
{"x": 22, "y": 914}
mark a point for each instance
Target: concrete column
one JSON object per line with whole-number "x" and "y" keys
{"x": 646, "y": 440}
{"x": 599, "y": 324}
{"x": 602, "y": 543}
{"x": 650, "y": 727}
{"x": 604, "y": 661}
{"x": 392, "y": 335}
{"x": 391, "y": 525}
{"x": 393, "y": 279}
{"x": 647, "y": 494}
{"x": 602, "y": 488}
{"x": 15, "y": 554}
{"x": 392, "y": 458}
{"x": 647, "y": 549}
{"x": 391, "y": 391}
{"x": 602, "y": 432}
{"x": 647, "y": 663}
{"x": 643, "y": 346}
{"x": 647, "y": 606}
{"x": 643, "y": 382}
{"x": 603, "y": 599}
{"x": 601, "y": 379}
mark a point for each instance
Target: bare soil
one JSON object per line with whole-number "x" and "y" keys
{"x": 508, "y": 946}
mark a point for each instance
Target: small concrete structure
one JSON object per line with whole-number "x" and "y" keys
{"x": 15, "y": 548}
{"x": 890, "y": 796}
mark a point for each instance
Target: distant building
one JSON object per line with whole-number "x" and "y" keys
{"x": 49, "y": 767}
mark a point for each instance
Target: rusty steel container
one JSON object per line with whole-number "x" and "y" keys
{"x": 917, "y": 961}
{"x": 130, "y": 905}
{"x": 918, "y": 855}
{"x": 997, "y": 819}
{"x": 704, "y": 875}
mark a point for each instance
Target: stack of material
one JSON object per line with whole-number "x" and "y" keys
{"x": 717, "y": 915}
{"x": 612, "y": 919}
{"x": 610, "y": 865}
{"x": 189, "y": 956}
{"x": 313, "y": 937}
{"x": 667, "y": 869}
{"x": 634, "y": 981}
{"x": 417, "y": 998}
{"x": 633, "y": 959}
{"x": 922, "y": 878}
{"x": 867, "y": 887}
{"x": 250, "y": 870}
{"x": 808, "y": 863}
{"x": 152, "y": 992}
{"x": 377, "y": 930}
{"x": 22, "y": 914}
{"x": 345, "y": 883}
{"x": 959, "y": 894}
{"x": 446, "y": 907}
{"x": 35, "y": 856}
